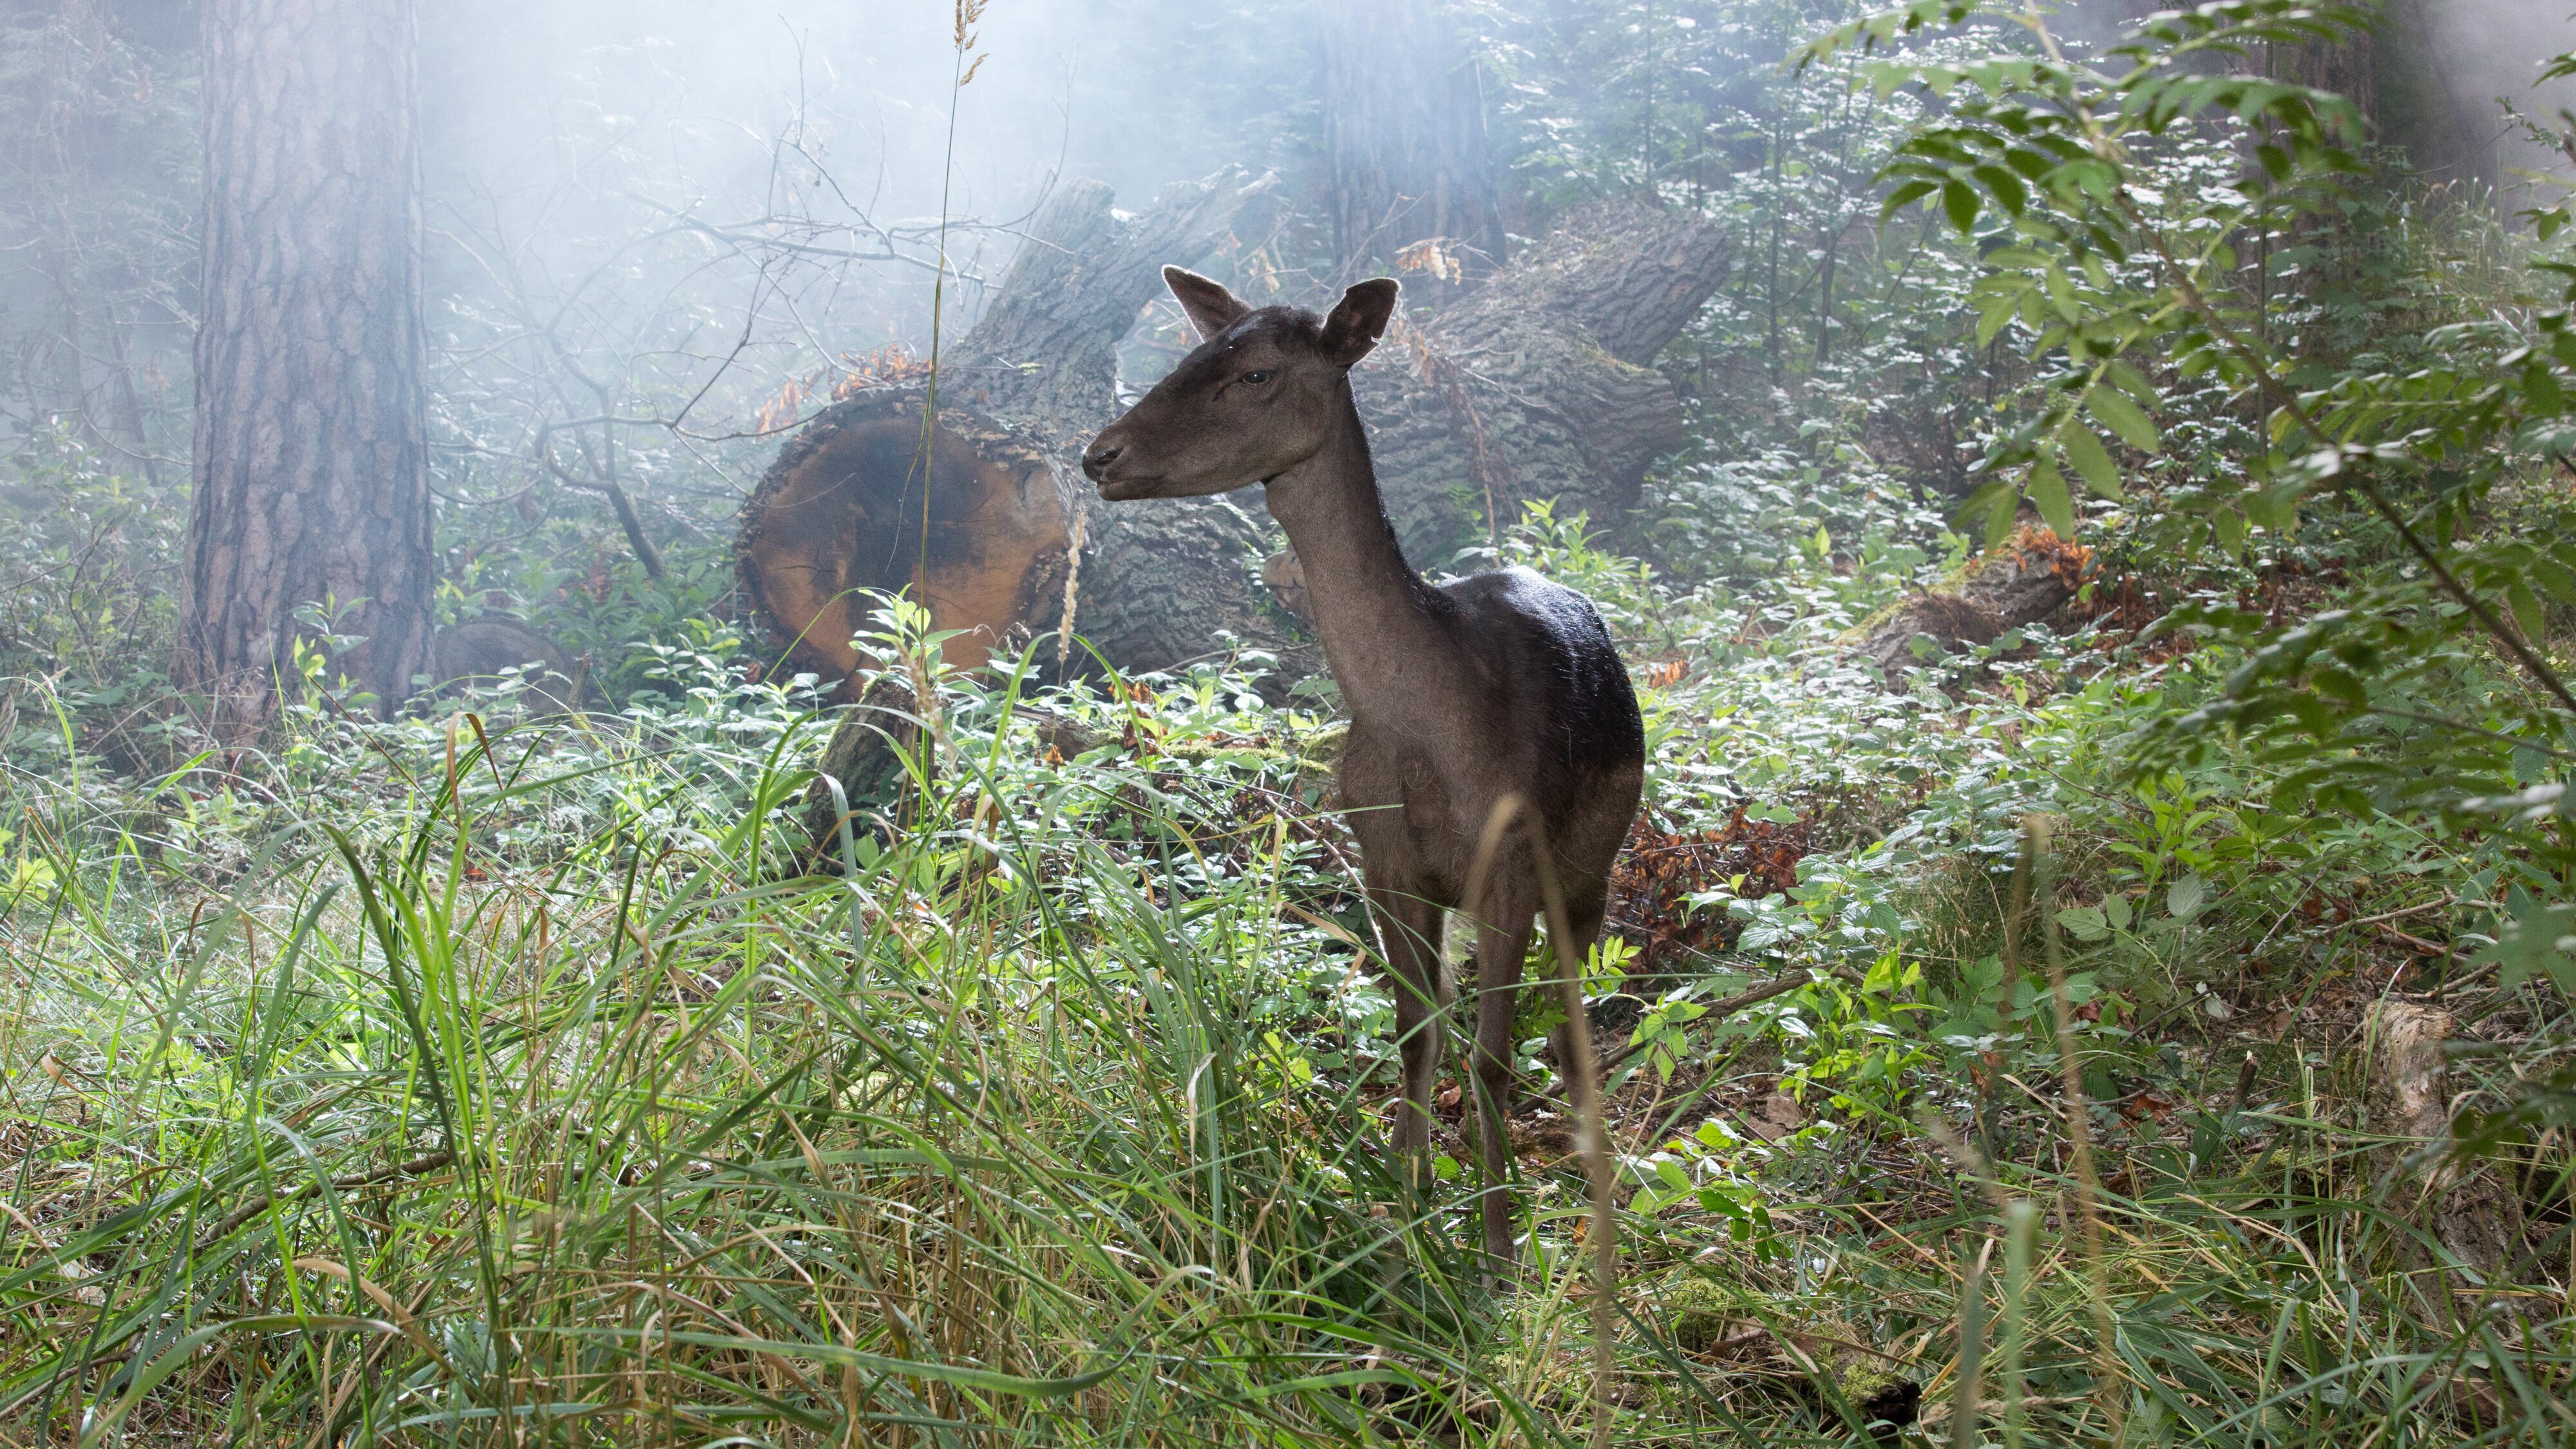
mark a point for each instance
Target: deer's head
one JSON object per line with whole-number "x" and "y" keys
{"x": 1261, "y": 395}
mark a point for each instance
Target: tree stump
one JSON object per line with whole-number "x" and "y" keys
{"x": 2469, "y": 1213}
{"x": 980, "y": 535}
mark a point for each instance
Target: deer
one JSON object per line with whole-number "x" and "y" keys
{"x": 1469, "y": 699}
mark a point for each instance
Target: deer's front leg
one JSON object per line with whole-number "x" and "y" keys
{"x": 1409, "y": 927}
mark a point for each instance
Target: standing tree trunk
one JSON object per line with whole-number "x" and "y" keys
{"x": 1404, "y": 138}
{"x": 311, "y": 461}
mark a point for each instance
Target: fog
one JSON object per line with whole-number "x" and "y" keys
{"x": 1094, "y": 85}
{"x": 2446, "y": 66}
{"x": 568, "y": 143}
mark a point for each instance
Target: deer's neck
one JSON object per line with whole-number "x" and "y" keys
{"x": 1377, "y": 618}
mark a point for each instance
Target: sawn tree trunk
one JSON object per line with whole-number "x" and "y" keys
{"x": 843, "y": 509}
{"x": 1536, "y": 386}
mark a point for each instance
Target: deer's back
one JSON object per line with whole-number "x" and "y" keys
{"x": 1555, "y": 693}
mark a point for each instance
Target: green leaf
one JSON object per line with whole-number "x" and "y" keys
{"x": 2000, "y": 515}
{"x": 2061, "y": 294}
{"x": 2186, "y": 897}
{"x": 1905, "y": 196}
{"x": 2133, "y": 382}
{"x": 1959, "y": 199}
{"x": 2084, "y": 923}
{"x": 2526, "y": 611}
{"x": 2275, "y": 508}
{"x": 2113, "y": 409}
{"x": 2092, "y": 460}
{"x": 2535, "y": 938}
{"x": 2229, "y": 525}
{"x": 1982, "y": 504}
{"x": 1997, "y": 316}
{"x": 2117, "y": 909}
{"x": 2048, "y": 494}
{"x": 2555, "y": 579}
{"x": 2540, "y": 391}
{"x": 2008, "y": 190}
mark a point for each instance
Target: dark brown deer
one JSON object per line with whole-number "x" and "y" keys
{"x": 1462, "y": 695}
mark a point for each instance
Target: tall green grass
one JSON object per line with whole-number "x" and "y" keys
{"x": 516, "y": 1089}
{"x": 973, "y": 1143}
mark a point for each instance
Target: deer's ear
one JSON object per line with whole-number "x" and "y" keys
{"x": 1359, "y": 320}
{"x": 1210, "y": 306}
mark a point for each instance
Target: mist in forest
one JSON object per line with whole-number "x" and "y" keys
{"x": 2458, "y": 62}
{"x": 873, "y": 113}
{"x": 1123, "y": 90}
{"x": 569, "y": 144}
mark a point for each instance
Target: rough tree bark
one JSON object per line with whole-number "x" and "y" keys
{"x": 1404, "y": 136}
{"x": 1541, "y": 385}
{"x": 311, "y": 455}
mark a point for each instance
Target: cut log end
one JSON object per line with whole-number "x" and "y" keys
{"x": 964, "y": 512}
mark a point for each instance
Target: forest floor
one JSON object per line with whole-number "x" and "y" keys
{"x": 504, "y": 1078}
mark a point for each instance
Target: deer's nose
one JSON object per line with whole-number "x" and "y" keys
{"x": 1096, "y": 461}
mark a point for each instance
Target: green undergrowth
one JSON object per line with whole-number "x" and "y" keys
{"x": 486, "y": 1080}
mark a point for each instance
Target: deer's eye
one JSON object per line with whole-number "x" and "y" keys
{"x": 1257, "y": 378}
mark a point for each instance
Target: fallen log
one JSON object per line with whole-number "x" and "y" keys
{"x": 1535, "y": 386}
{"x": 2002, "y": 590}
{"x": 968, "y": 495}
{"x": 1540, "y": 385}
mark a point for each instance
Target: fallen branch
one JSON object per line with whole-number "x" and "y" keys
{"x": 1718, "y": 1010}
{"x": 240, "y": 1215}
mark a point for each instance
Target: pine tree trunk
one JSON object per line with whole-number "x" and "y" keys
{"x": 1404, "y": 137}
{"x": 311, "y": 456}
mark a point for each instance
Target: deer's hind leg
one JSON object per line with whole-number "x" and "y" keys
{"x": 1502, "y": 943}
{"x": 1583, "y": 912}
